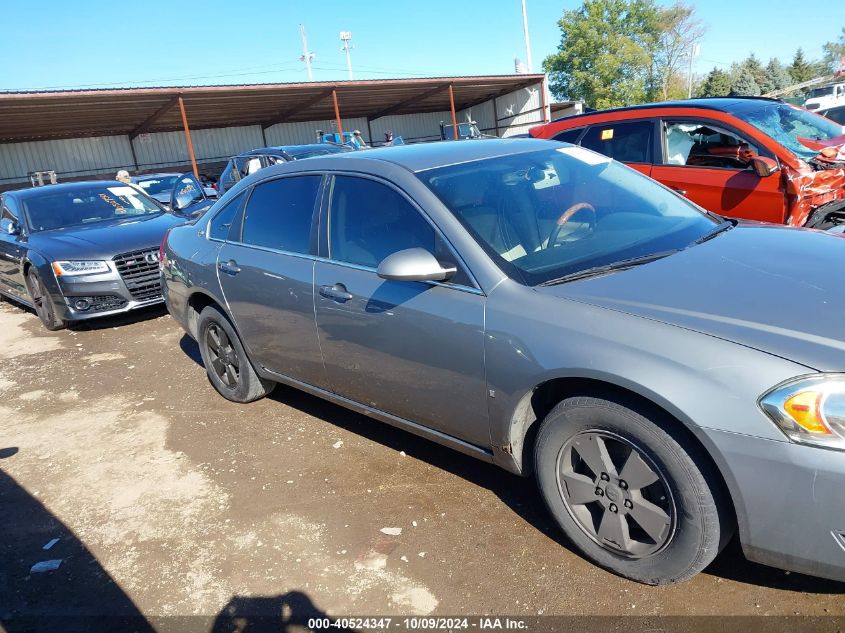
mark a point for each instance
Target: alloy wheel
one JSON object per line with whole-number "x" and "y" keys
{"x": 40, "y": 301}
{"x": 224, "y": 358}
{"x": 616, "y": 494}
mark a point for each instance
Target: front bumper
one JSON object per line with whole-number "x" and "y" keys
{"x": 790, "y": 502}
{"x": 106, "y": 294}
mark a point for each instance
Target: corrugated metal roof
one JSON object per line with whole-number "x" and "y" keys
{"x": 40, "y": 115}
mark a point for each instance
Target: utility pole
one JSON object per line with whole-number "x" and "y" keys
{"x": 346, "y": 37}
{"x": 527, "y": 39}
{"x": 693, "y": 53}
{"x": 307, "y": 55}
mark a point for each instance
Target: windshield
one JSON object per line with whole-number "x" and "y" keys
{"x": 57, "y": 209}
{"x": 786, "y": 124}
{"x": 551, "y": 213}
{"x": 158, "y": 184}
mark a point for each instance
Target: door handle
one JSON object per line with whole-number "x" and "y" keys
{"x": 335, "y": 293}
{"x": 230, "y": 268}
{"x": 683, "y": 192}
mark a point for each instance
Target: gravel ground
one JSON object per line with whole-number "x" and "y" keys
{"x": 168, "y": 500}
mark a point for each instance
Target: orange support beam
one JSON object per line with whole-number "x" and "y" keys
{"x": 337, "y": 114}
{"x": 188, "y": 138}
{"x": 454, "y": 115}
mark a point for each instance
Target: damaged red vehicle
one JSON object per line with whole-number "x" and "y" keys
{"x": 749, "y": 158}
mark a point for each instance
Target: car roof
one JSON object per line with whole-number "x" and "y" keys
{"x": 293, "y": 150}
{"x": 721, "y": 104}
{"x": 29, "y": 192}
{"x": 420, "y": 156}
{"x": 155, "y": 175}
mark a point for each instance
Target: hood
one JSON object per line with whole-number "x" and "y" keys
{"x": 103, "y": 240}
{"x": 773, "y": 288}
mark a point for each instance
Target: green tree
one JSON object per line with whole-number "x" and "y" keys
{"x": 743, "y": 82}
{"x": 679, "y": 30}
{"x": 801, "y": 69}
{"x": 716, "y": 84}
{"x": 777, "y": 76}
{"x": 834, "y": 51}
{"x": 605, "y": 56}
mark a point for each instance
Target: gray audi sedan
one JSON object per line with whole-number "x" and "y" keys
{"x": 669, "y": 377}
{"x": 81, "y": 250}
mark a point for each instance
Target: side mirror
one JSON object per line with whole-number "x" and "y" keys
{"x": 413, "y": 264}
{"x": 764, "y": 166}
{"x": 9, "y": 227}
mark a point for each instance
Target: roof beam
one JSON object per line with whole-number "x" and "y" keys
{"x": 150, "y": 120}
{"x": 280, "y": 116}
{"x": 407, "y": 102}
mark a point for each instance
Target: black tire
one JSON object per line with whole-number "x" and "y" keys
{"x": 42, "y": 302}
{"x": 684, "y": 519}
{"x": 226, "y": 363}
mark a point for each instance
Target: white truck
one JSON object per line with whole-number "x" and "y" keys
{"x": 826, "y": 97}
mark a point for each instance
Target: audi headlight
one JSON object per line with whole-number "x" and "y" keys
{"x": 79, "y": 267}
{"x": 809, "y": 410}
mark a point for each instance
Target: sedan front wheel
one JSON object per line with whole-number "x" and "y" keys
{"x": 42, "y": 302}
{"x": 634, "y": 496}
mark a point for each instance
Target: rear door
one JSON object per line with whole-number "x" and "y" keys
{"x": 266, "y": 272}
{"x": 412, "y": 349}
{"x": 708, "y": 162}
{"x": 629, "y": 142}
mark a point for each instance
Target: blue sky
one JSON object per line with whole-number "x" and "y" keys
{"x": 104, "y": 43}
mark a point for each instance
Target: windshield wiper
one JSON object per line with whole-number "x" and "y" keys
{"x": 719, "y": 228}
{"x": 607, "y": 268}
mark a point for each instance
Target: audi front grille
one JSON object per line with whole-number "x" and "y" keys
{"x": 139, "y": 271}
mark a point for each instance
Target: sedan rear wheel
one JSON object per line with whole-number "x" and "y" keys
{"x": 630, "y": 490}
{"x": 42, "y": 302}
{"x": 229, "y": 370}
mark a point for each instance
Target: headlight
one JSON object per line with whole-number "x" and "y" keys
{"x": 810, "y": 410}
{"x": 67, "y": 268}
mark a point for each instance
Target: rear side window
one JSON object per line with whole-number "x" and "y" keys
{"x": 837, "y": 114}
{"x": 279, "y": 212}
{"x": 222, "y": 222}
{"x": 625, "y": 142}
{"x": 569, "y": 136}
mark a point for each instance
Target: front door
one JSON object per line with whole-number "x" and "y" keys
{"x": 266, "y": 272}
{"x": 188, "y": 197}
{"x": 709, "y": 164}
{"x": 11, "y": 254}
{"x": 411, "y": 349}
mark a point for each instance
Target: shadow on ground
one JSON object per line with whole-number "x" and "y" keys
{"x": 78, "y": 596}
{"x": 288, "y": 613}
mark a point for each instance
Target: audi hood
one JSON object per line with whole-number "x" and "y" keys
{"x": 103, "y": 240}
{"x": 772, "y": 288}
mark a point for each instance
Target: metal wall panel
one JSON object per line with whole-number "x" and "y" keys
{"x": 165, "y": 149}
{"x": 67, "y": 157}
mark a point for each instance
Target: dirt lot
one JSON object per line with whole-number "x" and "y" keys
{"x": 168, "y": 500}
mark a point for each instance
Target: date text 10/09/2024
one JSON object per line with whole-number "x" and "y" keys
{"x": 418, "y": 623}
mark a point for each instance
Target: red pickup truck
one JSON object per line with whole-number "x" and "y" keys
{"x": 751, "y": 158}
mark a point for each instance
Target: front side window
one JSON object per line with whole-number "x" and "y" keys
{"x": 369, "y": 221}
{"x": 788, "y": 125}
{"x": 701, "y": 144}
{"x": 627, "y": 142}
{"x": 279, "y": 214}
{"x": 66, "y": 207}
{"x": 551, "y": 213}
{"x": 837, "y": 115}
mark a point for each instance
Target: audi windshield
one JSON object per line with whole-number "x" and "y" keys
{"x": 63, "y": 208}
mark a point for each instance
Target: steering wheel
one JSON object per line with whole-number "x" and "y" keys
{"x": 566, "y": 216}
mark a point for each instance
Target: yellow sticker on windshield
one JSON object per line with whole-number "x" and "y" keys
{"x": 606, "y": 135}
